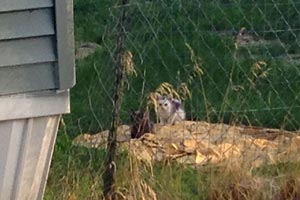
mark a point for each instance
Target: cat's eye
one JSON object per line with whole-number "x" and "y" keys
{"x": 166, "y": 104}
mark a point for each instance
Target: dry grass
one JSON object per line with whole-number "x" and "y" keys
{"x": 236, "y": 183}
{"x": 137, "y": 180}
{"x": 130, "y": 180}
{"x": 127, "y": 63}
{"x": 228, "y": 181}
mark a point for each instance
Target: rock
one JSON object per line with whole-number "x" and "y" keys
{"x": 190, "y": 145}
{"x": 85, "y": 49}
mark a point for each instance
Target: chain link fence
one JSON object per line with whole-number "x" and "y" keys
{"x": 248, "y": 53}
{"x": 235, "y": 64}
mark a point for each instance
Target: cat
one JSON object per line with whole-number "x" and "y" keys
{"x": 141, "y": 123}
{"x": 169, "y": 110}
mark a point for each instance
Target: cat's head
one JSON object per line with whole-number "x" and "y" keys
{"x": 139, "y": 115}
{"x": 164, "y": 103}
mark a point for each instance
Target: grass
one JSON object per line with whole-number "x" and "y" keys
{"x": 228, "y": 91}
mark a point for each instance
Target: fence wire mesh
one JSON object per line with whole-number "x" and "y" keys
{"x": 248, "y": 53}
{"x": 233, "y": 63}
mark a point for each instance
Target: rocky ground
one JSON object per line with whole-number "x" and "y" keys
{"x": 200, "y": 143}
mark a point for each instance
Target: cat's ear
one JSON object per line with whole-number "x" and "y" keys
{"x": 158, "y": 97}
{"x": 169, "y": 97}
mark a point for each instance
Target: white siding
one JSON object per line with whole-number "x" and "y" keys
{"x": 13, "y": 5}
{"x": 26, "y": 149}
{"x": 23, "y": 24}
{"x": 27, "y": 51}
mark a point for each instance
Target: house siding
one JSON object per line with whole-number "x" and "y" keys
{"x": 36, "y": 45}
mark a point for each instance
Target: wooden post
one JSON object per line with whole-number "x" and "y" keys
{"x": 109, "y": 163}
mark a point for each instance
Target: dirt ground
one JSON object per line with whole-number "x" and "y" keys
{"x": 200, "y": 143}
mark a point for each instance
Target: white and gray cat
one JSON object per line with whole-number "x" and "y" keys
{"x": 169, "y": 110}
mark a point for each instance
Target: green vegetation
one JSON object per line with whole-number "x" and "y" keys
{"x": 233, "y": 91}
